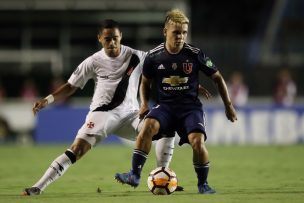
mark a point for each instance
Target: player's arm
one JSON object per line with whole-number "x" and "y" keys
{"x": 144, "y": 94}
{"x": 61, "y": 93}
{"x": 222, "y": 88}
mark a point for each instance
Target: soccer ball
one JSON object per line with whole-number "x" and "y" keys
{"x": 162, "y": 181}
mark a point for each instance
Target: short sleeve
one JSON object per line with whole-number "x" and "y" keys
{"x": 141, "y": 55}
{"x": 148, "y": 70}
{"x": 206, "y": 65}
{"x": 82, "y": 73}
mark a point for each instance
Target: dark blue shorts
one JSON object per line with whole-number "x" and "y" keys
{"x": 183, "y": 119}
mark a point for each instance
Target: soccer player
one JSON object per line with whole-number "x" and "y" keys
{"x": 116, "y": 70}
{"x": 174, "y": 65}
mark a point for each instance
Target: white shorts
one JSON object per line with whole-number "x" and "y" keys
{"x": 100, "y": 124}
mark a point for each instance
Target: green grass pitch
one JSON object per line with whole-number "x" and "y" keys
{"x": 269, "y": 174}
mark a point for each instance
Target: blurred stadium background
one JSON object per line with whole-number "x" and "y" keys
{"x": 43, "y": 41}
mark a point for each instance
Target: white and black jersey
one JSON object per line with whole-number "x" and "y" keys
{"x": 114, "y": 107}
{"x": 116, "y": 79}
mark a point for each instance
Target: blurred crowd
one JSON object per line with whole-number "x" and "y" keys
{"x": 284, "y": 90}
{"x": 29, "y": 90}
{"x": 28, "y": 93}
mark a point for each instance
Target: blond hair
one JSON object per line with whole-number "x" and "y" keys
{"x": 176, "y": 16}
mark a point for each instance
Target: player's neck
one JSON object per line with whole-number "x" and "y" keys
{"x": 173, "y": 50}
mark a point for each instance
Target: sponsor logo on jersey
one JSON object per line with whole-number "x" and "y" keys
{"x": 103, "y": 76}
{"x": 174, "y": 66}
{"x": 161, "y": 67}
{"x": 90, "y": 125}
{"x": 187, "y": 67}
{"x": 175, "y": 80}
{"x": 176, "y": 88}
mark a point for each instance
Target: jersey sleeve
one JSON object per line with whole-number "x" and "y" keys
{"x": 141, "y": 55}
{"x": 206, "y": 65}
{"x": 148, "y": 70}
{"x": 82, "y": 73}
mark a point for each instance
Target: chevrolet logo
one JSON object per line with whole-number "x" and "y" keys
{"x": 175, "y": 80}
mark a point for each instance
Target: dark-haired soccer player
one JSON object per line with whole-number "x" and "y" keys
{"x": 175, "y": 66}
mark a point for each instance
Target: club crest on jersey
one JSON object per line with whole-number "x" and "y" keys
{"x": 90, "y": 125}
{"x": 187, "y": 67}
{"x": 174, "y": 66}
{"x": 130, "y": 71}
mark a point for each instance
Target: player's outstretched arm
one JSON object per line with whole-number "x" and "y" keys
{"x": 222, "y": 88}
{"x": 61, "y": 93}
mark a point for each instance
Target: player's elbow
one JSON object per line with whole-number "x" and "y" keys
{"x": 70, "y": 89}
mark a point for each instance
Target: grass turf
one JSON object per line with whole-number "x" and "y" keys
{"x": 238, "y": 173}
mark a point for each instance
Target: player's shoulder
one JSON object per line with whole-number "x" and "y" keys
{"x": 124, "y": 48}
{"x": 91, "y": 59}
{"x": 131, "y": 50}
{"x": 157, "y": 50}
{"x": 95, "y": 59}
{"x": 192, "y": 49}
{"x": 96, "y": 56}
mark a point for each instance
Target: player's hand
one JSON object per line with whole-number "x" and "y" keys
{"x": 203, "y": 91}
{"x": 143, "y": 111}
{"x": 230, "y": 113}
{"x": 39, "y": 105}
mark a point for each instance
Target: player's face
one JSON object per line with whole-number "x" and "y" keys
{"x": 175, "y": 34}
{"x": 110, "y": 40}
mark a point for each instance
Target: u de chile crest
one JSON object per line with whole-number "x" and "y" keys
{"x": 187, "y": 67}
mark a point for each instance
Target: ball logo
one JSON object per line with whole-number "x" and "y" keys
{"x": 162, "y": 181}
{"x": 187, "y": 67}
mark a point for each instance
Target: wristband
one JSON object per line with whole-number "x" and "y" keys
{"x": 50, "y": 99}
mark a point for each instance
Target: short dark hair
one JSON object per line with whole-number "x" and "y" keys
{"x": 108, "y": 23}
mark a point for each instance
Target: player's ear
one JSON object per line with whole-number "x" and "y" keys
{"x": 165, "y": 32}
{"x": 99, "y": 38}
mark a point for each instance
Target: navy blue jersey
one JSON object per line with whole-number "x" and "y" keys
{"x": 177, "y": 75}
